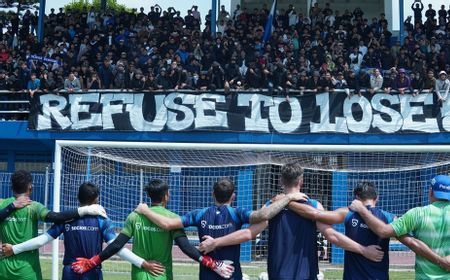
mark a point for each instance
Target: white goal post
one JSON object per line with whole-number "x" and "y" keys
{"x": 362, "y": 161}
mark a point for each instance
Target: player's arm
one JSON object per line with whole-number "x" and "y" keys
{"x": 20, "y": 202}
{"x": 66, "y": 216}
{"x": 209, "y": 244}
{"x": 372, "y": 252}
{"x": 376, "y": 225}
{"x": 83, "y": 265}
{"x": 267, "y": 213}
{"x": 422, "y": 249}
{"x": 167, "y": 223}
{"x": 34, "y": 243}
{"x": 109, "y": 236}
{"x": 225, "y": 270}
{"x": 327, "y": 217}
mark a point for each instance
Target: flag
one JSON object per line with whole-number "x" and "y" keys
{"x": 269, "y": 23}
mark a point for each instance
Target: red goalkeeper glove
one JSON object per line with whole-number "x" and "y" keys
{"x": 224, "y": 268}
{"x": 83, "y": 265}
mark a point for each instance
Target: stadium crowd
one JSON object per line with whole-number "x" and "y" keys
{"x": 322, "y": 51}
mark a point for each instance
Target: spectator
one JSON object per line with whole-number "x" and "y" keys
{"x": 106, "y": 75}
{"x": 72, "y": 83}
{"x": 150, "y": 83}
{"x": 442, "y": 87}
{"x": 353, "y": 82}
{"x": 203, "y": 82}
{"x": 33, "y": 85}
{"x": 137, "y": 83}
{"x": 121, "y": 77}
{"x": 326, "y": 83}
{"x": 402, "y": 82}
{"x": 94, "y": 82}
{"x": 376, "y": 81}
{"x": 313, "y": 83}
{"x": 417, "y": 8}
{"x": 340, "y": 83}
{"x": 389, "y": 82}
{"x": 47, "y": 82}
{"x": 430, "y": 82}
{"x": 24, "y": 75}
{"x": 430, "y": 13}
{"x": 416, "y": 83}
{"x": 163, "y": 81}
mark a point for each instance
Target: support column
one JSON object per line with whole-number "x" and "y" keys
{"x": 389, "y": 15}
{"x": 213, "y": 18}
{"x": 244, "y": 199}
{"x": 339, "y": 199}
{"x": 41, "y": 20}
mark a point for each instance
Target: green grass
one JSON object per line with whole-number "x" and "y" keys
{"x": 190, "y": 271}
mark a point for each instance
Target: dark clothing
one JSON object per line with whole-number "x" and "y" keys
{"x": 292, "y": 247}
{"x": 355, "y": 265}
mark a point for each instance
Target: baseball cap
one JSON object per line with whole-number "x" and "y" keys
{"x": 441, "y": 187}
{"x": 443, "y": 73}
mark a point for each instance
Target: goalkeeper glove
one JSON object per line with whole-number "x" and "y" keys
{"x": 224, "y": 268}
{"x": 83, "y": 265}
{"x": 92, "y": 210}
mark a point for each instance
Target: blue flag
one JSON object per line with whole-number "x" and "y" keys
{"x": 269, "y": 23}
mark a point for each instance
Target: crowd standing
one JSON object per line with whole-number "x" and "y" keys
{"x": 168, "y": 50}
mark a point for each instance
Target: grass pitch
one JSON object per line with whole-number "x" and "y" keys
{"x": 190, "y": 272}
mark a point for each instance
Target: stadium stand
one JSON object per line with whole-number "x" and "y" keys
{"x": 163, "y": 50}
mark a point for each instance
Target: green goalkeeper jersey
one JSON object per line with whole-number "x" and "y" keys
{"x": 431, "y": 224}
{"x": 150, "y": 242}
{"x": 19, "y": 227}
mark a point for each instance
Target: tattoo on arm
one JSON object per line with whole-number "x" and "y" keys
{"x": 269, "y": 212}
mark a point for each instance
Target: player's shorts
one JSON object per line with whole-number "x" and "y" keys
{"x": 94, "y": 274}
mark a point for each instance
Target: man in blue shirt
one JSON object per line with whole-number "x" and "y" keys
{"x": 82, "y": 237}
{"x": 219, "y": 220}
{"x": 33, "y": 85}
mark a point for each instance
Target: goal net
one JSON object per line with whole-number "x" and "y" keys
{"x": 121, "y": 169}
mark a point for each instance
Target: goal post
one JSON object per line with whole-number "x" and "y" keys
{"x": 401, "y": 173}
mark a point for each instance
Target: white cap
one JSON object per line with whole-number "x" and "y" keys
{"x": 443, "y": 73}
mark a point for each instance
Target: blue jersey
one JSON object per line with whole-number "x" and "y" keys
{"x": 355, "y": 265}
{"x": 217, "y": 221}
{"x": 292, "y": 247}
{"x": 83, "y": 237}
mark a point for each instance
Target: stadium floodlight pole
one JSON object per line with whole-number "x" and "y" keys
{"x": 213, "y": 18}
{"x": 402, "y": 20}
{"x": 41, "y": 20}
{"x": 57, "y": 165}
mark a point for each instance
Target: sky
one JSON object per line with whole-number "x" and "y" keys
{"x": 205, "y": 5}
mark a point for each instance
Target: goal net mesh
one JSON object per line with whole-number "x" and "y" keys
{"x": 402, "y": 180}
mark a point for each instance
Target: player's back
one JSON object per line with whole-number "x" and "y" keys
{"x": 355, "y": 265}
{"x": 83, "y": 237}
{"x": 151, "y": 242}
{"x": 20, "y": 226}
{"x": 292, "y": 247}
{"x": 217, "y": 221}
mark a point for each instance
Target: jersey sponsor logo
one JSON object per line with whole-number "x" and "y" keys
{"x": 81, "y": 228}
{"x": 355, "y": 223}
{"x": 140, "y": 226}
{"x": 204, "y": 224}
{"x": 16, "y": 219}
